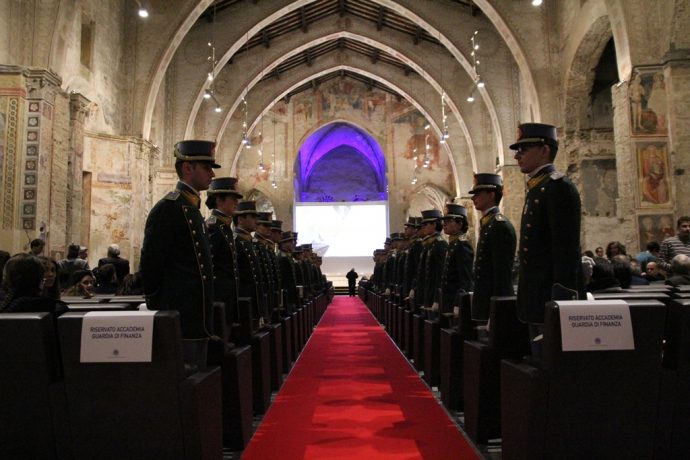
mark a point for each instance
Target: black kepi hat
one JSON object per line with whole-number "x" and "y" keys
{"x": 288, "y": 236}
{"x": 276, "y": 226}
{"x": 485, "y": 181}
{"x": 454, "y": 211}
{"x": 534, "y": 133}
{"x": 192, "y": 150}
{"x": 265, "y": 218}
{"x": 411, "y": 222}
{"x": 224, "y": 186}
{"x": 246, "y": 207}
{"x": 431, "y": 215}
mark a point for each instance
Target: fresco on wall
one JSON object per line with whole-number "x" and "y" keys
{"x": 600, "y": 186}
{"x": 648, "y": 107}
{"x": 654, "y": 227}
{"x": 652, "y": 170}
{"x": 339, "y": 98}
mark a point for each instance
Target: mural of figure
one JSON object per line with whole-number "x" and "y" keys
{"x": 657, "y": 102}
{"x": 637, "y": 95}
{"x": 647, "y": 231}
{"x": 666, "y": 227}
{"x": 606, "y": 193}
{"x": 654, "y": 179}
{"x": 418, "y": 141}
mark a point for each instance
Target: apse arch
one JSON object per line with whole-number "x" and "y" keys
{"x": 434, "y": 126}
{"x": 340, "y": 161}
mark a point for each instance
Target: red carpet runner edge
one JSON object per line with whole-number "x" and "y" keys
{"x": 352, "y": 395}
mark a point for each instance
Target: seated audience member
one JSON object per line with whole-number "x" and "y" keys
{"x": 106, "y": 279}
{"x": 650, "y": 255}
{"x": 36, "y": 247}
{"x": 615, "y": 248}
{"x": 131, "y": 285}
{"x": 51, "y": 285}
{"x": 22, "y": 283}
{"x": 121, "y": 264}
{"x": 603, "y": 279}
{"x": 71, "y": 264}
{"x": 653, "y": 272}
{"x": 680, "y": 266}
{"x": 81, "y": 284}
{"x": 637, "y": 278}
{"x": 622, "y": 270}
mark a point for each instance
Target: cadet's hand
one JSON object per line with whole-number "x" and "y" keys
{"x": 434, "y": 307}
{"x": 456, "y": 312}
{"x": 411, "y": 296}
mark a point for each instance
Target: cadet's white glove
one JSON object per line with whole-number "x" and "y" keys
{"x": 456, "y": 312}
{"x": 388, "y": 292}
{"x": 411, "y": 294}
{"x": 434, "y": 307}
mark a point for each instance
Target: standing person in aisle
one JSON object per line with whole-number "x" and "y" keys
{"x": 549, "y": 249}
{"x": 222, "y": 200}
{"x": 496, "y": 246}
{"x": 176, "y": 264}
{"x": 457, "y": 269}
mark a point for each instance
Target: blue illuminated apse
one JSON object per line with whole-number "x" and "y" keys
{"x": 340, "y": 162}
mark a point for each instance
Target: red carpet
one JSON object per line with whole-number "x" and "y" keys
{"x": 352, "y": 395}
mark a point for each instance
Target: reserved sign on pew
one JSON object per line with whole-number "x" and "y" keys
{"x": 115, "y": 336}
{"x": 595, "y": 325}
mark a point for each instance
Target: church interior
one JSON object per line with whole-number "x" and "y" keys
{"x": 399, "y": 102}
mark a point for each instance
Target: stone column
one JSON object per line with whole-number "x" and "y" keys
{"x": 677, "y": 74}
{"x": 78, "y": 109}
{"x": 626, "y": 170}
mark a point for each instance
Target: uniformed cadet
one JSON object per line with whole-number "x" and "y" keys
{"x": 176, "y": 265}
{"x": 287, "y": 266}
{"x": 297, "y": 255}
{"x": 412, "y": 259}
{"x": 457, "y": 269}
{"x": 430, "y": 268}
{"x": 222, "y": 199}
{"x": 248, "y": 263}
{"x": 495, "y": 248}
{"x": 265, "y": 249}
{"x": 390, "y": 266}
{"x": 549, "y": 250}
{"x": 276, "y": 235}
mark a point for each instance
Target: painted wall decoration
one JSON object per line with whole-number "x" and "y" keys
{"x": 652, "y": 170}
{"x": 648, "y": 107}
{"x": 654, "y": 227}
{"x": 600, "y": 187}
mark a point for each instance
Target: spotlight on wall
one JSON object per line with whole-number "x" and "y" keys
{"x": 536, "y": 2}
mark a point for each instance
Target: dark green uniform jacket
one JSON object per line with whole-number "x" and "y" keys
{"x": 224, "y": 262}
{"x": 176, "y": 262}
{"x": 430, "y": 269}
{"x": 549, "y": 242}
{"x": 494, "y": 262}
{"x": 457, "y": 272}
{"x": 248, "y": 270}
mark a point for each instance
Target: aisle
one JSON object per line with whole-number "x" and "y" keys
{"x": 352, "y": 395}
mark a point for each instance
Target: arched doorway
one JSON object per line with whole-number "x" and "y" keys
{"x": 341, "y": 196}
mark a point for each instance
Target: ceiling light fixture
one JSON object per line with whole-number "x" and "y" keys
{"x": 536, "y": 2}
{"x": 142, "y": 11}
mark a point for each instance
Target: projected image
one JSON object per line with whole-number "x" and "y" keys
{"x": 343, "y": 230}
